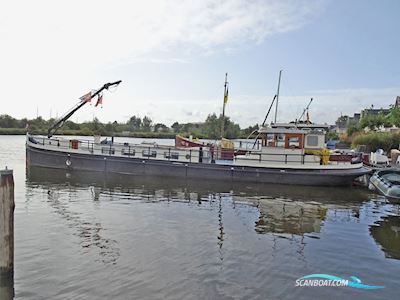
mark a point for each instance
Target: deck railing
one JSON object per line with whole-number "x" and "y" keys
{"x": 171, "y": 153}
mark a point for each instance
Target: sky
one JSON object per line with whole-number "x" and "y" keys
{"x": 172, "y": 57}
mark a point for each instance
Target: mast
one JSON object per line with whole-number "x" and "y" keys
{"x": 277, "y": 95}
{"x": 224, "y": 104}
{"x": 60, "y": 122}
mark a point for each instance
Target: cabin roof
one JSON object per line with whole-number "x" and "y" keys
{"x": 287, "y": 130}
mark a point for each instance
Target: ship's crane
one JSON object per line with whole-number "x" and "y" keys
{"x": 61, "y": 121}
{"x": 306, "y": 110}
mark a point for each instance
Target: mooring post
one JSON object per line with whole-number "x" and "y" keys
{"x": 6, "y": 234}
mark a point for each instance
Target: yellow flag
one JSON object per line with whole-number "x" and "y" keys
{"x": 226, "y": 96}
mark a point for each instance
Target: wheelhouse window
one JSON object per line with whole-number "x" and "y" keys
{"x": 312, "y": 140}
{"x": 269, "y": 140}
{"x": 294, "y": 142}
{"x": 280, "y": 140}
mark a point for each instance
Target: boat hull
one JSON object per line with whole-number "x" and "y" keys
{"x": 150, "y": 167}
{"x": 181, "y": 141}
{"x": 384, "y": 186}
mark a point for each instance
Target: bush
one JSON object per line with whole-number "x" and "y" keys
{"x": 377, "y": 140}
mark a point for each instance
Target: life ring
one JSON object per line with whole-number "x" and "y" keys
{"x": 187, "y": 156}
{"x": 68, "y": 162}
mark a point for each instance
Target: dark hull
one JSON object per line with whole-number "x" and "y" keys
{"x": 149, "y": 167}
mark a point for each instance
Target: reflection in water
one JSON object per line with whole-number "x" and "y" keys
{"x": 89, "y": 232}
{"x": 292, "y": 217}
{"x": 221, "y": 229}
{"x": 175, "y": 189}
{"x": 212, "y": 236}
{"x": 220, "y": 224}
{"x": 282, "y": 210}
{"x": 386, "y": 232}
{"x": 6, "y": 286}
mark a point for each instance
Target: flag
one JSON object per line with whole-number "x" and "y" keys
{"x": 226, "y": 96}
{"x": 99, "y": 100}
{"x": 87, "y": 97}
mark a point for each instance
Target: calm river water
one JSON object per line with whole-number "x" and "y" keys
{"x": 87, "y": 236}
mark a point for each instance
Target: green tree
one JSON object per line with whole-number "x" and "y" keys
{"x": 176, "y": 127}
{"x": 23, "y": 122}
{"x": 352, "y": 128}
{"x": 39, "y": 123}
{"x": 97, "y": 127}
{"x": 71, "y": 125}
{"x": 212, "y": 127}
{"x": 135, "y": 123}
{"x": 332, "y": 135}
{"x": 394, "y": 116}
{"x": 146, "y": 124}
{"x": 374, "y": 121}
{"x": 159, "y": 127}
{"x": 7, "y": 121}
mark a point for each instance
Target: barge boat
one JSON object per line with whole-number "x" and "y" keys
{"x": 286, "y": 156}
{"x": 291, "y": 157}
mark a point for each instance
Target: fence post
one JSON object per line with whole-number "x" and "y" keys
{"x": 6, "y": 234}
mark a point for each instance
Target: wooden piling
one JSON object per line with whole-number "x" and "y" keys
{"x": 6, "y": 222}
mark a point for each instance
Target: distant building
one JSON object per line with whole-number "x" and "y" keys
{"x": 343, "y": 122}
{"x": 356, "y": 118}
{"x": 375, "y": 112}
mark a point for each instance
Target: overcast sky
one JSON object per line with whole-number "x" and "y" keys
{"x": 172, "y": 57}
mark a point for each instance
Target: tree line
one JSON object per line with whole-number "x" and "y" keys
{"x": 373, "y": 122}
{"x": 135, "y": 126}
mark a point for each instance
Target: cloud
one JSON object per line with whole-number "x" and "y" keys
{"x": 54, "y": 50}
{"x": 100, "y": 32}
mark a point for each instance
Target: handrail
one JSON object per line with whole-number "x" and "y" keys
{"x": 193, "y": 155}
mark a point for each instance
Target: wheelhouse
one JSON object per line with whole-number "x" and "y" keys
{"x": 292, "y": 138}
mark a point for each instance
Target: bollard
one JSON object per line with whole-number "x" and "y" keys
{"x": 6, "y": 234}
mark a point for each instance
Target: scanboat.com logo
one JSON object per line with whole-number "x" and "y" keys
{"x": 331, "y": 280}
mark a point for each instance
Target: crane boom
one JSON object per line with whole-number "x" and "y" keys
{"x": 307, "y": 107}
{"x": 60, "y": 122}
